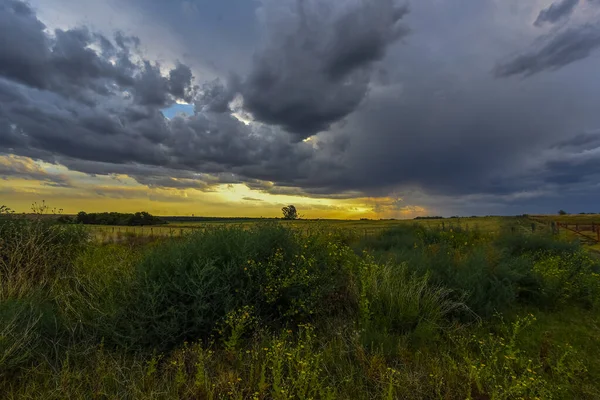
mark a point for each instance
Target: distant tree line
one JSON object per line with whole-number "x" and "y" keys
{"x": 113, "y": 218}
{"x": 429, "y": 217}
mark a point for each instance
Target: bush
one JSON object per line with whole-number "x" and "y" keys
{"x": 522, "y": 244}
{"x": 396, "y": 301}
{"x": 184, "y": 289}
{"x": 570, "y": 278}
{"x": 34, "y": 251}
{"x": 26, "y": 327}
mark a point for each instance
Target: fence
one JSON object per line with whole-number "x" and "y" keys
{"x": 590, "y": 232}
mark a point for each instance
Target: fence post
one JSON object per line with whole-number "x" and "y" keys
{"x": 152, "y": 232}
{"x": 533, "y": 227}
{"x": 181, "y": 232}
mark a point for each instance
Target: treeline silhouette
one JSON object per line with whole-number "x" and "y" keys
{"x": 113, "y": 218}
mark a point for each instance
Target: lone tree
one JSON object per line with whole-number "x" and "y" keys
{"x": 290, "y": 212}
{"x": 562, "y": 212}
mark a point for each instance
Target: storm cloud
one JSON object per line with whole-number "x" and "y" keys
{"x": 554, "y": 52}
{"x": 315, "y": 66}
{"x": 556, "y": 12}
{"x": 387, "y": 112}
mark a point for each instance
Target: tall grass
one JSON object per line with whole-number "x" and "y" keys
{"x": 34, "y": 251}
{"x": 271, "y": 313}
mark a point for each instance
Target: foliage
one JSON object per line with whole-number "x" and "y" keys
{"x": 114, "y": 218}
{"x": 290, "y": 212}
{"x": 34, "y": 251}
{"x": 268, "y": 312}
{"x": 184, "y": 288}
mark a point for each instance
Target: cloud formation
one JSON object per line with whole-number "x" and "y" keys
{"x": 556, "y": 12}
{"x": 420, "y": 115}
{"x": 554, "y": 52}
{"x": 315, "y": 67}
{"x": 24, "y": 168}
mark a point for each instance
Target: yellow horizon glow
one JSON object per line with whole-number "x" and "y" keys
{"x": 121, "y": 193}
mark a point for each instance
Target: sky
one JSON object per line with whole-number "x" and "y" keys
{"x": 344, "y": 108}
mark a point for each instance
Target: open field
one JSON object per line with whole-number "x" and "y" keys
{"x": 484, "y": 308}
{"x": 583, "y": 224}
{"x": 365, "y": 228}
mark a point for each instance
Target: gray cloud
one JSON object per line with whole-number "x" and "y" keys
{"x": 314, "y": 68}
{"x": 554, "y": 52}
{"x": 14, "y": 167}
{"x": 556, "y": 12}
{"x": 425, "y": 120}
{"x": 66, "y": 64}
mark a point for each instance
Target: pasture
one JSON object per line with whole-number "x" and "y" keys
{"x": 362, "y": 227}
{"x": 473, "y": 308}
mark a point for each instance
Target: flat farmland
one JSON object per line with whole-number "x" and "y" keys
{"x": 358, "y": 227}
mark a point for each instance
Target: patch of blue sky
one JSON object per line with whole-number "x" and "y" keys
{"x": 176, "y": 109}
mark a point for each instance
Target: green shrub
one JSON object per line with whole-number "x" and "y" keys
{"x": 499, "y": 366}
{"x": 532, "y": 244}
{"x": 183, "y": 289}
{"x": 26, "y": 328}
{"x": 34, "y": 251}
{"x": 568, "y": 278}
{"x": 398, "y": 301}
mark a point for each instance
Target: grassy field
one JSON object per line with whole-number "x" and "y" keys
{"x": 370, "y": 227}
{"x": 485, "y": 308}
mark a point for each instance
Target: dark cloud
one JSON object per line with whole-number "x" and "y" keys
{"x": 314, "y": 68}
{"x": 65, "y": 63}
{"x": 556, "y": 12}
{"x": 180, "y": 82}
{"x": 215, "y": 97}
{"x": 104, "y": 107}
{"x": 24, "y": 56}
{"x": 435, "y": 127}
{"x": 583, "y": 140}
{"x": 554, "y": 52}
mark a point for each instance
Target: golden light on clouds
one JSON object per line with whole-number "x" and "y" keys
{"x": 24, "y": 181}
